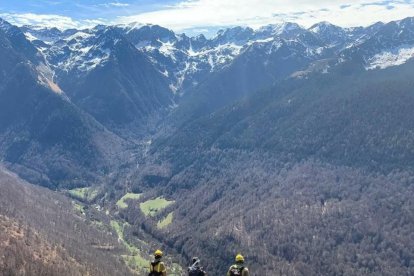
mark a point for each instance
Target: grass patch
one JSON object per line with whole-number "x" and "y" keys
{"x": 176, "y": 270}
{"x": 134, "y": 259}
{"x": 122, "y": 204}
{"x": 166, "y": 221}
{"x": 153, "y": 206}
{"x": 79, "y": 208}
{"x": 119, "y": 229}
{"x": 136, "y": 262}
{"x": 87, "y": 194}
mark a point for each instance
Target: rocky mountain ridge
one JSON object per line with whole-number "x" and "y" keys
{"x": 186, "y": 61}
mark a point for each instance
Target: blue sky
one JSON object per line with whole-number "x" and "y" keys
{"x": 202, "y": 15}
{"x": 84, "y": 9}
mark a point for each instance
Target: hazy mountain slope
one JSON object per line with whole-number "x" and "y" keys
{"x": 299, "y": 176}
{"x": 295, "y": 51}
{"x": 391, "y": 45}
{"x": 185, "y": 61}
{"x": 259, "y": 65}
{"x": 18, "y": 41}
{"x": 303, "y": 219}
{"x": 308, "y": 177}
{"x": 25, "y": 251}
{"x": 320, "y": 118}
{"x": 117, "y": 63}
{"x": 287, "y": 144}
{"x": 43, "y": 135}
{"x": 121, "y": 88}
{"x": 42, "y": 234}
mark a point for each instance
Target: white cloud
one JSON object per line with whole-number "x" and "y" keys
{"x": 92, "y": 22}
{"x": 49, "y": 20}
{"x": 115, "y": 4}
{"x": 209, "y": 13}
{"x": 206, "y": 15}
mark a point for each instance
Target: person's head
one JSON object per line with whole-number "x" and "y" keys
{"x": 158, "y": 254}
{"x": 239, "y": 259}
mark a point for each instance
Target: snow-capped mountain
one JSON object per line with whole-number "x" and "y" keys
{"x": 118, "y": 78}
{"x": 101, "y": 70}
{"x": 47, "y": 35}
{"x": 19, "y": 42}
{"x": 28, "y": 52}
{"x": 40, "y": 128}
{"x": 391, "y": 44}
{"x": 183, "y": 60}
{"x": 186, "y": 61}
{"x": 151, "y": 65}
{"x": 333, "y": 36}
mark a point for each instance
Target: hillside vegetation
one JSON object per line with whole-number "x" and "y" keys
{"x": 43, "y": 235}
{"x": 293, "y": 146}
{"x": 310, "y": 177}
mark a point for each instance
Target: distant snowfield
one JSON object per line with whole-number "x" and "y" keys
{"x": 391, "y": 58}
{"x": 184, "y": 61}
{"x": 30, "y": 37}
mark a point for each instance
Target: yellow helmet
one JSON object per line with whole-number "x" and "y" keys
{"x": 158, "y": 253}
{"x": 239, "y": 258}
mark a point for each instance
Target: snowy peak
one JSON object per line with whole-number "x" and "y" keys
{"x": 20, "y": 42}
{"x": 186, "y": 61}
{"x": 289, "y": 27}
{"x": 325, "y": 27}
{"x": 406, "y": 22}
{"x": 47, "y": 35}
{"x": 236, "y": 35}
{"x": 329, "y": 34}
{"x": 196, "y": 43}
{"x": 328, "y": 31}
{"x": 83, "y": 50}
{"x": 286, "y": 30}
{"x": 289, "y": 32}
{"x": 383, "y": 45}
{"x": 402, "y": 30}
{"x": 5, "y": 26}
{"x": 21, "y": 49}
{"x": 152, "y": 34}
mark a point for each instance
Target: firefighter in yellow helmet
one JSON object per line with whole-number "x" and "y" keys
{"x": 238, "y": 269}
{"x": 157, "y": 266}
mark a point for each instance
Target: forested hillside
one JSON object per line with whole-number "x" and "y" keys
{"x": 306, "y": 177}
{"x": 42, "y": 233}
{"x": 43, "y": 136}
{"x": 356, "y": 124}
{"x": 291, "y": 145}
{"x": 303, "y": 219}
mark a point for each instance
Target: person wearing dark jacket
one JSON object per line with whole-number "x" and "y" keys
{"x": 195, "y": 269}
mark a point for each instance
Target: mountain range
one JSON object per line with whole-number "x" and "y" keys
{"x": 293, "y": 145}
